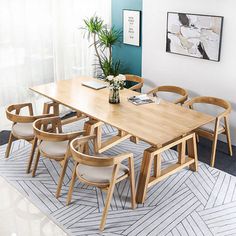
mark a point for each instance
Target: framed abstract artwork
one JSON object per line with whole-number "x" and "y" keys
{"x": 194, "y": 35}
{"x": 131, "y": 27}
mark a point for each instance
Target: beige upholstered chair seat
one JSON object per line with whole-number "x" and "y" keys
{"x": 210, "y": 127}
{"x": 99, "y": 174}
{"x": 54, "y": 149}
{"x": 24, "y": 130}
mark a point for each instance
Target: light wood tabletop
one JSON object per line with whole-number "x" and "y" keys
{"x": 156, "y": 124}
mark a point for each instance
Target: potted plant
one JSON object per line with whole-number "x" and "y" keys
{"x": 103, "y": 39}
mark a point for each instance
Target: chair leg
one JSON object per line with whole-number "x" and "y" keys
{"x": 98, "y": 140}
{"x": 62, "y": 176}
{"x": 197, "y": 138}
{"x": 213, "y": 152}
{"x": 109, "y": 197}
{"x": 56, "y": 109}
{"x": 36, "y": 164}
{"x": 34, "y": 145}
{"x": 72, "y": 184}
{"x": 227, "y": 131}
{"x": 132, "y": 182}
{"x": 9, "y": 145}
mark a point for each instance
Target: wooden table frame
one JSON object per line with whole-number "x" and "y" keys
{"x": 153, "y": 154}
{"x": 163, "y": 126}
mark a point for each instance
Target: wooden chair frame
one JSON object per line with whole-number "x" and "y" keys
{"x": 213, "y": 136}
{"x": 56, "y": 111}
{"x": 134, "y": 78}
{"x": 171, "y": 89}
{"x": 50, "y": 129}
{"x": 13, "y": 114}
{"x": 79, "y": 150}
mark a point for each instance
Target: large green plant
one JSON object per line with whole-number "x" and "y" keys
{"x": 103, "y": 40}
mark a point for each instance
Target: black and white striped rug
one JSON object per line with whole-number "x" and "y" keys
{"x": 187, "y": 203}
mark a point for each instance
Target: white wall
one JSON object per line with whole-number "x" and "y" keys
{"x": 199, "y": 77}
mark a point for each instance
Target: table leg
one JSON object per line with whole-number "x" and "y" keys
{"x": 192, "y": 152}
{"x": 157, "y": 165}
{"x": 144, "y": 176}
{"x": 154, "y": 153}
{"x": 98, "y": 132}
{"x": 182, "y": 153}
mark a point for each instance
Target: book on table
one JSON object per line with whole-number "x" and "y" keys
{"x": 141, "y": 99}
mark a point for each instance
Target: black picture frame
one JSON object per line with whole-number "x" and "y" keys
{"x": 202, "y": 15}
{"x": 139, "y": 27}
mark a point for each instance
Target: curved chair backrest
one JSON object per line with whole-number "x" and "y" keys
{"x": 50, "y": 129}
{"x": 183, "y": 94}
{"x": 78, "y": 147}
{"x": 136, "y": 79}
{"x": 13, "y": 113}
{"x": 211, "y": 101}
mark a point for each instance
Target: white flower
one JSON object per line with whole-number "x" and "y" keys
{"x": 116, "y": 82}
{"x": 110, "y": 77}
{"x": 121, "y": 77}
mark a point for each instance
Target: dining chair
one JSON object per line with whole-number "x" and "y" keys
{"x": 136, "y": 82}
{"x": 53, "y": 144}
{"x": 22, "y": 127}
{"x": 220, "y": 125}
{"x": 174, "y": 94}
{"x": 100, "y": 171}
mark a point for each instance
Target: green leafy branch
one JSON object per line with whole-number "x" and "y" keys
{"x": 103, "y": 41}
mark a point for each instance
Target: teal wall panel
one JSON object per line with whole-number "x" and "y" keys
{"x": 130, "y": 56}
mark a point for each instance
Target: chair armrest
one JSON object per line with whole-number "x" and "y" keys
{"x": 47, "y": 106}
{"x": 152, "y": 92}
{"x": 73, "y": 135}
{"x": 188, "y": 104}
{"x": 81, "y": 140}
{"x": 122, "y": 157}
{"x": 223, "y": 114}
{"x": 136, "y": 86}
{"x": 181, "y": 100}
{"x": 19, "y": 107}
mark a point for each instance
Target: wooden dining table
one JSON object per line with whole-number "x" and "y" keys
{"x": 162, "y": 125}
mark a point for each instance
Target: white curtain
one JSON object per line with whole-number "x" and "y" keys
{"x": 40, "y": 42}
{"x": 73, "y": 53}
